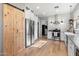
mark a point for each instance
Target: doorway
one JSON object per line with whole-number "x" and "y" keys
{"x": 44, "y": 30}
{"x": 29, "y": 32}
{"x": 38, "y": 29}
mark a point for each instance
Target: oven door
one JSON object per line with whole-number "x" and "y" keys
{"x": 77, "y": 52}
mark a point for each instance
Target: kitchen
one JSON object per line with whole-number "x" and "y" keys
{"x": 65, "y": 20}
{"x": 47, "y": 29}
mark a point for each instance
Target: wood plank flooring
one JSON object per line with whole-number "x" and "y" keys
{"x": 52, "y": 48}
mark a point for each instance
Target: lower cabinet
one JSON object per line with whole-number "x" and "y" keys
{"x": 71, "y": 47}
{"x": 49, "y": 35}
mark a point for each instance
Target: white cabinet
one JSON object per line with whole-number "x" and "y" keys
{"x": 71, "y": 47}
{"x": 63, "y": 37}
{"x": 49, "y": 35}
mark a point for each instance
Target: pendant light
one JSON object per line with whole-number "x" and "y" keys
{"x": 56, "y": 16}
{"x": 70, "y": 11}
{"x": 71, "y": 21}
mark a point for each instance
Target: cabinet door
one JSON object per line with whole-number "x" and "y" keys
{"x": 71, "y": 48}
{"x": 49, "y": 35}
{"x": 8, "y": 29}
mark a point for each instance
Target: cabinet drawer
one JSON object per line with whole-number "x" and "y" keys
{"x": 71, "y": 48}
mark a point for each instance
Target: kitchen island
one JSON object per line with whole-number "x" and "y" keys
{"x": 72, "y": 43}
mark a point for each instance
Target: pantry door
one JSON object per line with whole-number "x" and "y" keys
{"x": 20, "y": 28}
{"x": 13, "y": 30}
{"x": 8, "y": 36}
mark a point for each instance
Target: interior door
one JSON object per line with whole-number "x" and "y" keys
{"x": 13, "y": 30}
{"x": 8, "y": 35}
{"x": 44, "y": 30}
{"x": 38, "y": 29}
{"x": 33, "y": 27}
{"x": 19, "y": 32}
{"x": 29, "y": 32}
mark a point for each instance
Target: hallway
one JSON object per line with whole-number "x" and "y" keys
{"x": 51, "y": 48}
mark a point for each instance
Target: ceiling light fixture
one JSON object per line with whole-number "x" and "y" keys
{"x": 56, "y": 16}
{"x": 27, "y": 8}
{"x": 71, "y": 21}
{"x": 37, "y": 7}
{"x": 70, "y": 11}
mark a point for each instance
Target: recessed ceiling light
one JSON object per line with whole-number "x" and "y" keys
{"x": 70, "y": 6}
{"x": 27, "y": 8}
{"x": 56, "y": 7}
{"x": 37, "y": 7}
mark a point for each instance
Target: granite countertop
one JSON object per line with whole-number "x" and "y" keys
{"x": 74, "y": 38}
{"x": 69, "y": 33}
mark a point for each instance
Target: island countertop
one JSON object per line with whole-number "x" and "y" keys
{"x": 74, "y": 38}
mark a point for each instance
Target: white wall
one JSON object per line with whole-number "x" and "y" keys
{"x": 63, "y": 26}
{"x": 1, "y": 30}
{"x": 76, "y": 16}
{"x": 19, "y": 5}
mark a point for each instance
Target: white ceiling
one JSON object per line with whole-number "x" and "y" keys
{"x": 19, "y": 5}
{"x": 47, "y": 9}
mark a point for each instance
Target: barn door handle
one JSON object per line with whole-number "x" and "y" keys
{"x": 17, "y": 30}
{"x": 5, "y": 25}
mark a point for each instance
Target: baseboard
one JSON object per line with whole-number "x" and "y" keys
{"x": 56, "y": 40}
{"x": 1, "y": 53}
{"x": 20, "y": 51}
{"x": 32, "y": 43}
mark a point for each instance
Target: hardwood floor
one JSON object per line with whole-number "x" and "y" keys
{"x": 52, "y": 48}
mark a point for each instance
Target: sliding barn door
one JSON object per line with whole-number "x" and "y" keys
{"x": 13, "y": 30}
{"x": 8, "y": 30}
{"x": 19, "y": 32}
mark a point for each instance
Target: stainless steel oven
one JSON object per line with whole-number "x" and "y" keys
{"x": 77, "y": 52}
